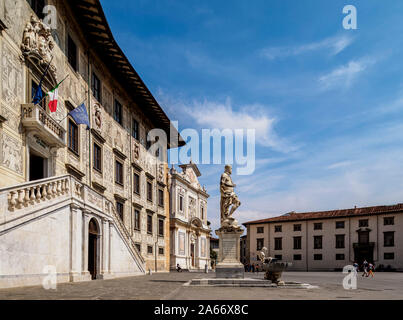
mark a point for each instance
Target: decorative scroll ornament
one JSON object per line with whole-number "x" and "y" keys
{"x": 37, "y": 42}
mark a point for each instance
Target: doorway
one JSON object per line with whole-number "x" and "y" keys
{"x": 93, "y": 235}
{"x": 37, "y": 167}
{"x": 192, "y": 254}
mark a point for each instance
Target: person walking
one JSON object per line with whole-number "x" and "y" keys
{"x": 371, "y": 268}
{"x": 253, "y": 268}
{"x": 355, "y": 265}
{"x": 365, "y": 267}
{"x": 178, "y": 268}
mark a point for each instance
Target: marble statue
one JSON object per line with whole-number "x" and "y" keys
{"x": 229, "y": 201}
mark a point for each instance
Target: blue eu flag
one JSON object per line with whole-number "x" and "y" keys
{"x": 80, "y": 115}
{"x": 38, "y": 94}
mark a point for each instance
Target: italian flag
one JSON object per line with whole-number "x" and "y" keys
{"x": 53, "y": 98}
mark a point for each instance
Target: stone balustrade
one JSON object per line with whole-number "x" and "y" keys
{"x": 37, "y": 119}
{"x": 32, "y": 193}
{"x": 28, "y": 195}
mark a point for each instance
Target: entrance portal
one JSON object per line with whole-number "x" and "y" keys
{"x": 93, "y": 235}
{"x": 192, "y": 254}
{"x": 37, "y": 167}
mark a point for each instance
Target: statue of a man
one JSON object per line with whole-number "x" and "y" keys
{"x": 228, "y": 199}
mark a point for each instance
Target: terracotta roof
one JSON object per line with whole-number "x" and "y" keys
{"x": 292, "y": 216}
{"x": 91, "y": 17}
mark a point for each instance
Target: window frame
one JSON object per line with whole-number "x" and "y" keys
{"x": 135, "y": 129}
{"x": 317, "y": 242}
{"x": 121, "y": 176}
{"x": 259, "y": 241}
{"x": 297, "y": 227}
{"x": 161, "y": 226}
{"x": 118, "y": 116}
{"x": 318, "y": 226}
{"x": 386, "y": 243}
{"x": 342, "y": 223}
{"x": 340, "y": 244}
{"x": 278, "y": 243}
{"x": 149, "y": 191}
{"x": 120, "y": 204}
{"x": 161, "y": 197}
{"x": 297, "y": 245}
{"x": 72, "y": 124}
{"x": 72, "y": 55}
{"x": 96, "y": 92}
{"x": 137, "y": 220}
{"x": 149, "y": 223}
{"x": 95, "y": 158}
{"x": 136, "y": 185}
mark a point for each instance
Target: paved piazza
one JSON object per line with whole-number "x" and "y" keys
{"x": 169, "y": 286}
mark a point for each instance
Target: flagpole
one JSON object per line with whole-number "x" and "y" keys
{"x": 40, "y": 81}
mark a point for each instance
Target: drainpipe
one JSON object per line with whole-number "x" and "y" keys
{"x": 89, "y": 116}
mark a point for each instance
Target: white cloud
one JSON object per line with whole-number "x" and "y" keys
{"x": 217, "y": 115}
{"x": 345, "y": 75}
{"x": 334, "y": 45}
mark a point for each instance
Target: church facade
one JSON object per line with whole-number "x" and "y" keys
{"x": 189, "y": 228}
{"x": 89, "y": 203}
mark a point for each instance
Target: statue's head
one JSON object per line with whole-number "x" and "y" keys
{"x": 228, "y": 168}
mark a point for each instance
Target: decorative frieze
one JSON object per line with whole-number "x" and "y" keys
{"x": 11, "y": 153}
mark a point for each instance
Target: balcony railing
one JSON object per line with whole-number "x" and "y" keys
{"x": 36, "y": 119}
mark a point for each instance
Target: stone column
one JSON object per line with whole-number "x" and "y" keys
{"x": 84, "y": 271}
{"x": 75, "y": 243}
{"x": 105, "y": 248}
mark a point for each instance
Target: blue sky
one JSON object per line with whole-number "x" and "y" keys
{"x": 327, "y": 103}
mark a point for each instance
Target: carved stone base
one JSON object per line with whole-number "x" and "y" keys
{"x": 229, "y": 265}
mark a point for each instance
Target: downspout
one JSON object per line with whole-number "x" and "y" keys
{"x": 89, "y": 116}
{"x": 306, "y": 245}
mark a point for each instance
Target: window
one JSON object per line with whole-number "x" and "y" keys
{"x": 136, "y": 130}
{"x": 317, "y": 226}
{"x": 317, "y": 242}
{"x": 389, "y": 256}
{"x": 149, "y": 191}
{"x": 317, "y": 257}
{"x": 118, "y": 172}
{"x": 161, "y": 251}
{"x": 260, "y": 229}
{"x": 340, "y": 241}
{"x": 297, "y": 257}
{"x": 96, "y": 87}
{"x": 277, "y": 228}
{"x": 138, "y": 246}
{"x": 119, "y": 209}
{"x": 297, "y": 227}
{"x": 97, "y": 157}
{"x": 363, "y": 223}
{"x": 150, "y": 249}
{"x": 136, "y": 219}
{"x": 161, "y": 227}
{"x": 73, "y": 137}
{"x": 363, "y": 237}
{"x": 389, "y": 221}
{"x": 278, "y": 243}
{"x": 136, "y": 183}
{"x": 160, "y": 197}
{"x": 278, "y": 257}
{"x": 180, "y": 203}
{"x": 149, "y": 224}
{"x": 297, "y": 243}
{"x": 340, "y": 256}
{"x": 339, "y": 224}
{"x": 37, "y": 6}
{"x": 117, "y": 113}
{"x": 259, "y": 244}
{"x": 202, "y": 212}
{"x": 389, "y": 239}
{"x": 72, "y": 53}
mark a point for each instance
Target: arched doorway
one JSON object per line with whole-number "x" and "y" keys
{"x": 93, "y": 234}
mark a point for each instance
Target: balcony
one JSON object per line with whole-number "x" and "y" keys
{"x": 358, "y": 245}
{"x": 34, "y": 118}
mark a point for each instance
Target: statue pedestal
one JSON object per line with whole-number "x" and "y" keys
{"x": 229, "y": 265}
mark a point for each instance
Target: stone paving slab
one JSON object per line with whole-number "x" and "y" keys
{"x": 170, "y": 286}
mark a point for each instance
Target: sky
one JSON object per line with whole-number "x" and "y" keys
{"x": 326, "y": 102}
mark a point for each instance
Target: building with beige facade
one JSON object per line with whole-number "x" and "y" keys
{"x": 330, "y": 240}
{"x": 189, "y": 228}
{"x": 89, "y": 203}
